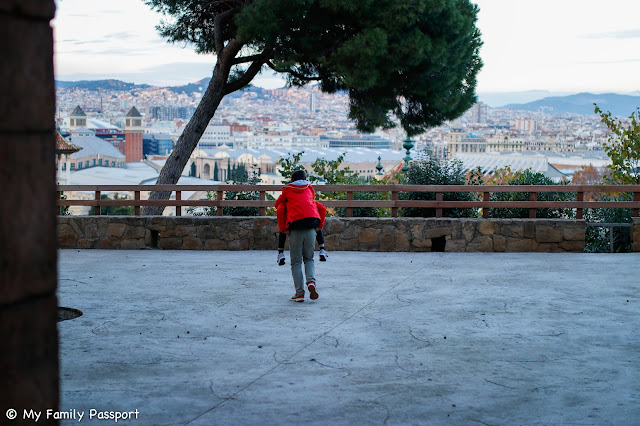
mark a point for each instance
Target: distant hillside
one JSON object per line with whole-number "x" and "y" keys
{"x": 582, "y": 103}
{"x": 95, "y": 85}
{"x": 201, "y": 86}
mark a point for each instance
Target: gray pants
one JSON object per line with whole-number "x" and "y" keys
{"x": 301, "y": 246}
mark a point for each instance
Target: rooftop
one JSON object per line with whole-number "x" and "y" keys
{"x": 210, "y": 337}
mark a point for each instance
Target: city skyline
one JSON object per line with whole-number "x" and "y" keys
{"x": 568, "y": 46}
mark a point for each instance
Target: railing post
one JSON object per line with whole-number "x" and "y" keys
{"x": 59, "y": 208}
{"x": 485, "y": 210}
{"x": 533, "y": 196}
{"x": 97, "y": 208}
{"x": 394, "y": 198}
{"x": 219, "y": 195}
{"x": 263, "y": 196}
{"x": 439, "y": 197}
{"x": 636, "y": 198}
{"x": 350, "y": 209}
{"x": 136, "y": 208}
{"x": 178, "y": 208}
{"x": 580, "y": 198}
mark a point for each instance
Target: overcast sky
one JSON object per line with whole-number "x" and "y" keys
{"x": 556, "y": 45}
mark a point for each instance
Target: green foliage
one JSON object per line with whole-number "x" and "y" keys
{"x": 597, "y": 239}
{"x": 427, "y": 170}
{"x": 623, "y": 148}
{"x": 243, "y": 195}
{"x": 416, "y": 61}
{"x": 527, "y": 177}
{"x": 64, "y": 210}
{"x": 331, "y": 172}
{"x": 113, "y": 210}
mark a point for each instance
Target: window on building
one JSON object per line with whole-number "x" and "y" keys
{"x": 93, "y": 163}
{"x": 73, "y": 166}
{"x": 100, "y": 162}
{"x": 86, "y": 163}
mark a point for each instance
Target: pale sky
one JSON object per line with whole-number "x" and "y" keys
{"x": 556, "y": 45}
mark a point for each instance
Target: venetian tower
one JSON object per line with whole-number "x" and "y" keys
{"x": 133, "y": 136}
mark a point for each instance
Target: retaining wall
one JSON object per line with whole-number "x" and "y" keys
{"x": 635, "y": 235}
{"x": 353, "y": 234}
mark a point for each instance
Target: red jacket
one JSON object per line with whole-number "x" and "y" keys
{"x": 300, "y": 204}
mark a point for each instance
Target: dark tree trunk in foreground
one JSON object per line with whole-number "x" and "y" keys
{"x": 187, "y": 142}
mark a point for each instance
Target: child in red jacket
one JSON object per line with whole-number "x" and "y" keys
{"x": 300, "y": 215}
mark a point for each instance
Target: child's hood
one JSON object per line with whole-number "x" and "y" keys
{"x": 299, "y": 185}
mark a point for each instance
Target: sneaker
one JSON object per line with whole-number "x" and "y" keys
{"x": 298, "y": 298}
{"x": 280, "y": 259}
{"x": 323, "y": 255}
{"x": 313, "y": 294}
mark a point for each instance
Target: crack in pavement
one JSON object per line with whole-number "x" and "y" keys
{"x": 366, "y": 305}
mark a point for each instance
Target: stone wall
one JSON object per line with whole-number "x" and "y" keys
{"x": 635, "y": 235}
{"x": 28, "y": 275}
{"x": 360, "y": 234}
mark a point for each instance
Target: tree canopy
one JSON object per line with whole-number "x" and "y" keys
{"x": 409, "y": 61}
{"x": 416, "y": 60}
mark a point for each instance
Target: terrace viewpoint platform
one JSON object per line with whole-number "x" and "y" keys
{"x": 210, "y": 337}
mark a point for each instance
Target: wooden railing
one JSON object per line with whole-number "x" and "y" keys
{"x": 394, "y": 203}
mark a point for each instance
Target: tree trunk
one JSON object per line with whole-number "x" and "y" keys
{"x": 190, "y": 137}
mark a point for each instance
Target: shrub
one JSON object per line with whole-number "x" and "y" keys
{"x": 427, "y": 170}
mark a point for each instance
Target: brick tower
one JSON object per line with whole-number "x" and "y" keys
{"x": 133, "y": 136}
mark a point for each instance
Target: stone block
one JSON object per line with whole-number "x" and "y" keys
{"x": 499, "y": 243}
{"x": 85, "y": 244}
{"x": 332, "y": 242}
{"x": 574, "y": 232}
{"x": 215, "y": 244}
{"x": 515, "y": 230}
{"x": 66, "y": 236}
{"x": 402, "y": 241}
{"x": 421, "y": 243}
{"x": 130, "y": 244}
{"x": 518, "y": 245}
{"x": 369, "y": 235}
{"x": 27, "y": 52}
{"x": 108, "y": 243}
{"x": 548, "y": 234}
{"x": 572, "y": 246}
{"x": 481, "y": 243}
{"x": 242, "y": 244}
{"x": 263, "y": 221}
{"x": 528, "y": 229}
{"x": 635, "y": 247}
{"x": 468, "y": 230}
{"x": 387, "y": 243}
{"x": 417, "y": 229}
{"x": 192, "y": 243}
{"x": 115, "y": 229}
{"x": 171, "y": 243}
{"x": 436, "y": 232}
{"x": 184, "y": 230}
{"x": 455, "y": 246}
{"x": 350, "y": 245}
{"x": 486, "y": 227}
{"x": 29, "y": 356}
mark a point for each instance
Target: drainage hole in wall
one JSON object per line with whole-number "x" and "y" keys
{"x": 438, "y": 243}
{"x": 68, "y": 313}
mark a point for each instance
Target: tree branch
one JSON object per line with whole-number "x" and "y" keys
{"x": 217, "y": 29}
{"x": 246, "y": 78}
{"x": 292, "y": 72}
{"x": 245, "y": 59}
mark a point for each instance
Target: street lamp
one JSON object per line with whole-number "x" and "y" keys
{"x": 408, "y": 144}
{"x": 379, "y": 167}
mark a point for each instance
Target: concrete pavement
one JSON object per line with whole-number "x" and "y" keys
{"x": 210, "y": 337}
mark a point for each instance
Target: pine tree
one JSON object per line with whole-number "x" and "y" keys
{"x": 415, "y": 60}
